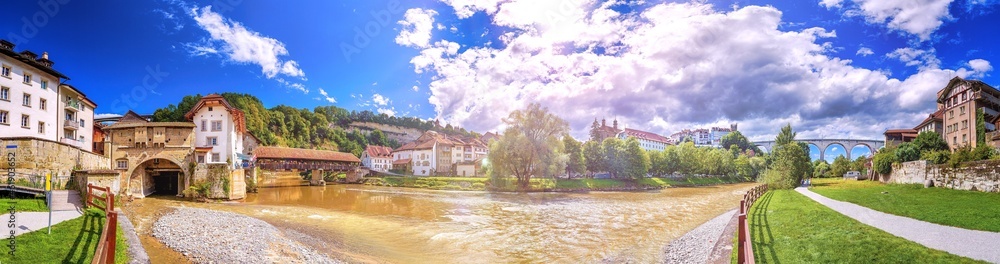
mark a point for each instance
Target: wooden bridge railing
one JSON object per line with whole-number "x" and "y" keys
{"x": 105, "y": 252}
{"x": 744, "y": 252}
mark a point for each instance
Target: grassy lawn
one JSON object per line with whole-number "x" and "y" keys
{"x": 25, "y": 204}
{"x": 72, "y": 241}
{"x": 965, "y": 209}
{"x": 788, "y": 227}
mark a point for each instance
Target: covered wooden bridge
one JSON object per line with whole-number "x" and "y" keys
{"x": 318, "y": 161}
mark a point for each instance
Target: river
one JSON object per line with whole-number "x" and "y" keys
{"x": 401, "y": 225}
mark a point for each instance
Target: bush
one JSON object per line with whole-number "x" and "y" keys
{"x": 907, "y": 152}
{"x": 778, "y": 180}
{"x": 937, "y": 156}
{"x": 882, "y": 161}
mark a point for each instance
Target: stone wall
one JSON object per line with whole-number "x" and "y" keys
{"x": 37, "y": 157}
{"x": 981, "y": 176}
{"x": 101, "y": 178}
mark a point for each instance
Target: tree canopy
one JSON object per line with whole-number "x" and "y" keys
{"x": 530, "y": 146}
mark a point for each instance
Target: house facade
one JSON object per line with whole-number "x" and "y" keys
{"x": 647, "y": 140}
{"x": 377, "y": 158}
{"x": 219, "y": 129}
{"x": 960, "y": 100}
{"x": 76, "y": 118}
{"x": 29, "y": 94}
{"x": 437, "y": 154}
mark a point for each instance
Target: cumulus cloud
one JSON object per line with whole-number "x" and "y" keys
{"x": 917, "y": 17}
{"x": 864, "y": 52}
{"x": 915, "y": 57}
{"x": 980, "y": 65}
{"x": 106, "y": 115}
{"x": 417, "y": 25}
{"x": 242, "y": 45}
{"x": 387, "y": 111}
{"x": 380, "y": 100}
{"x": 593, "y": 62}
{"x": 326, "y": 96}
{"x": 416, "y": 88}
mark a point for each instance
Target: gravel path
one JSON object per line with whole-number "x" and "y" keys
{"x": 137, "y": 254}
{"x": 974, "y": 244}
{"x": 207, "y": 236}
{"x": 697, "y": 245}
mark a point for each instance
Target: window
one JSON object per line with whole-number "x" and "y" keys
{"x": 963, "y": 139}
{"x": 3, "y": 117}
{"x": 963, "y": 97}
{"x": 216, "y": 125}
{"x": 122, "y": 164}
{"x": 41, "y": 127}
{"x": 951, "y": 114}
{"x": 42, "y": 103}
{"x": 961, "y": 110}
{"x": 27, "y": 78}
{"x": 954, "y": 140}
{"x": 203, "y": 126}
{"x": 201, "y": 158}
{"x": 82, "y": 123}
{"x": 26, "y": 100}
{"x": 209, "y": 108}
{"x": 25, "y": 120}
{"x": 45, "y": 84}
{"x": 214, "y": 141}
{"x": 6, "y": 71}
{"x": 5, "y": 93}
{"x": 215, "y": 157}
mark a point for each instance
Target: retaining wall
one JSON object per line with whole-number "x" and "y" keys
{"x": 974, "y": 176}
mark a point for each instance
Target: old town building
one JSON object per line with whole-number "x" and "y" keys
{"x": 377, "y": 158}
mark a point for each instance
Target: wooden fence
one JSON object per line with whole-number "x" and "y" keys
{"x": 744, "y": 252}
{"x": 106, "y": 245}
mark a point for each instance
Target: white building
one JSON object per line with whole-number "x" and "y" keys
{"x": 76, "y": 122}
{"x": 436, "y": 154}
{"x": 31, "y": 101}
{"x": 647, "y": 140}
{"x": 219, "y": 131}
{"x": 377, "y": 158}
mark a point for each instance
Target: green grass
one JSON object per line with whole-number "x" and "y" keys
{"x": 72, "y": 241}
{"x": 787, "y": 227}
{"x": 965, "y": 209}
{"x": 25, "y": 204}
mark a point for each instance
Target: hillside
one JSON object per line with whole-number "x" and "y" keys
{"x": 325, "y": 127}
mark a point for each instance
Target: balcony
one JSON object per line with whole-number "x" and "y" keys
{"x": 73, "y": 104}
{"x": 72, "y": 142}
{"x": 71, "y": 124}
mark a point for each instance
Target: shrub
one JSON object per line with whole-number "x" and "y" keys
{"x": 937, "y": 156}
{"x": 882, "y": 161}
{"x": 907, "y": 152}
{"x": 778, "y": 180}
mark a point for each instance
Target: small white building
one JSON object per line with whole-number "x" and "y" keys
{"x": 647, "y": 140}
{"x": 377, "y": 158}
{"x": 219, "y": 131}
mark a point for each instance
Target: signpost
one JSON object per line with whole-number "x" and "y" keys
{"x": 48, "y": 197}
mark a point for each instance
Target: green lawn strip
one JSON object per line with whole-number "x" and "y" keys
{"x": 787, "y": 227}
{"x": 25, "y": 204}
{"x": 965, "y": 209}
{"x": 72, "y": 241}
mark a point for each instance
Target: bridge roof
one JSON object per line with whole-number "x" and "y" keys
{"x": 303, "y": 154}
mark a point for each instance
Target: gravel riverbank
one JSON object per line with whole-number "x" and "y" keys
{"x": 697, "y": 245}
{"x": 208, "y": 236}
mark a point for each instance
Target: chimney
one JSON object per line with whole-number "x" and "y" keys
{"x": 45, "y": 55}
{"x": 45, "y": 60}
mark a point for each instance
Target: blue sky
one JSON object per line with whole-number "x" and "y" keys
{"x": 832, "y": 69}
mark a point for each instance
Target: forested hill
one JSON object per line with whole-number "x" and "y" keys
{"x": 325, "y": 127}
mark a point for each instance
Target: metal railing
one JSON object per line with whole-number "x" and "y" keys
{"x": 744, "y": 251}
{"x": 71, "y": 124}
{"x": 73, "y": 104}
{"x": 105, "y": 252}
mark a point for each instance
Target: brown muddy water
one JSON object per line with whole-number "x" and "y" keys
{"x": 371, "y": 224}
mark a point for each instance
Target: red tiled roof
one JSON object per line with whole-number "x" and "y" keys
{"x": 401, "y": 161}
{"x": 900, "y": 131}
{"x": 646, "y": 135}
{"x": 303, "y": 154}
{"x": 378, "y": 151}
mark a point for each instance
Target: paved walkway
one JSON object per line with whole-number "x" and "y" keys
{"x": 66, "y": 205}
{"x": 981, "y": 245}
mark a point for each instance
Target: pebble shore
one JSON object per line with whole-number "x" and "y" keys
{"x": 697, "y": 245}
{"x": 208, "y": 236}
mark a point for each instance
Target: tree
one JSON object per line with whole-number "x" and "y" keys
{"x": 883, "y": 159}
{"x": 790, "y": 163}
{"x": 929, "y": 141}
{"x": 737, "y": 139}
{"x": 840, "y": 166}
{"x": 530, "y": 145}
{"x": 820, "y": 169}
{"x": 907, "y": 152}
{"x": 593, "y": 154}
{"x": 574, "y": 151}
{"x": 785, "y": 136}
{"x": 657, "y": 164}
{"x": 637, "y": 161}
{"x": 614, "y": 154}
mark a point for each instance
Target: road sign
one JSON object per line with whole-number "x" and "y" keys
{"x": 48, "y": 181}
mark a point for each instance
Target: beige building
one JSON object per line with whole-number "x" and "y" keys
{"x": 959, "y": 101}
{"x": 153, "y": 157}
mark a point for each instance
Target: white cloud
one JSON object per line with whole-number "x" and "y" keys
{"x": 917, "y": 17}
{"x": 380, "y": 100}
{"x": 327, "y": 97}
{"x": 416, "y": 88}
{"x": 672, "y": 66}
{"x": 297, "y": 86}
{"x": 915, "y": 57}
{"x": 864, "y": 52}
{"x": 387, "y": 111}
{"x": 417, "y": 27}
{"x": 980, "y": 65}
{"x": 106, "y": 115}
{"x": 242, "y": 45}
{"x": 466, "y": 8}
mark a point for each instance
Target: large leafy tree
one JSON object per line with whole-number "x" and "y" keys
{"x": 737, "y": 139}
{"x": 593, "y": 153}
{"x": 615, "y": 154}
{"x": 529, "y": 146}
{"x": 929, "y": 141}
{"x": 637, "y": 160}
{"x": 574, "y": 150}
{"x": 790, "y": 162}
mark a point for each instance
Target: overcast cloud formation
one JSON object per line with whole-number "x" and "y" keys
{"x": 677, "y": 65}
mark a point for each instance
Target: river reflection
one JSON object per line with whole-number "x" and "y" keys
{"x": 399, "y": 225}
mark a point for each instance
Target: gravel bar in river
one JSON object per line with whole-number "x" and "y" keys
{"x": 208, "y": 236}
{"x": 697, "y": 245}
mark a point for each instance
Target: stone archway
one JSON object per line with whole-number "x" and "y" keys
{"x": 158, "y": 174}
